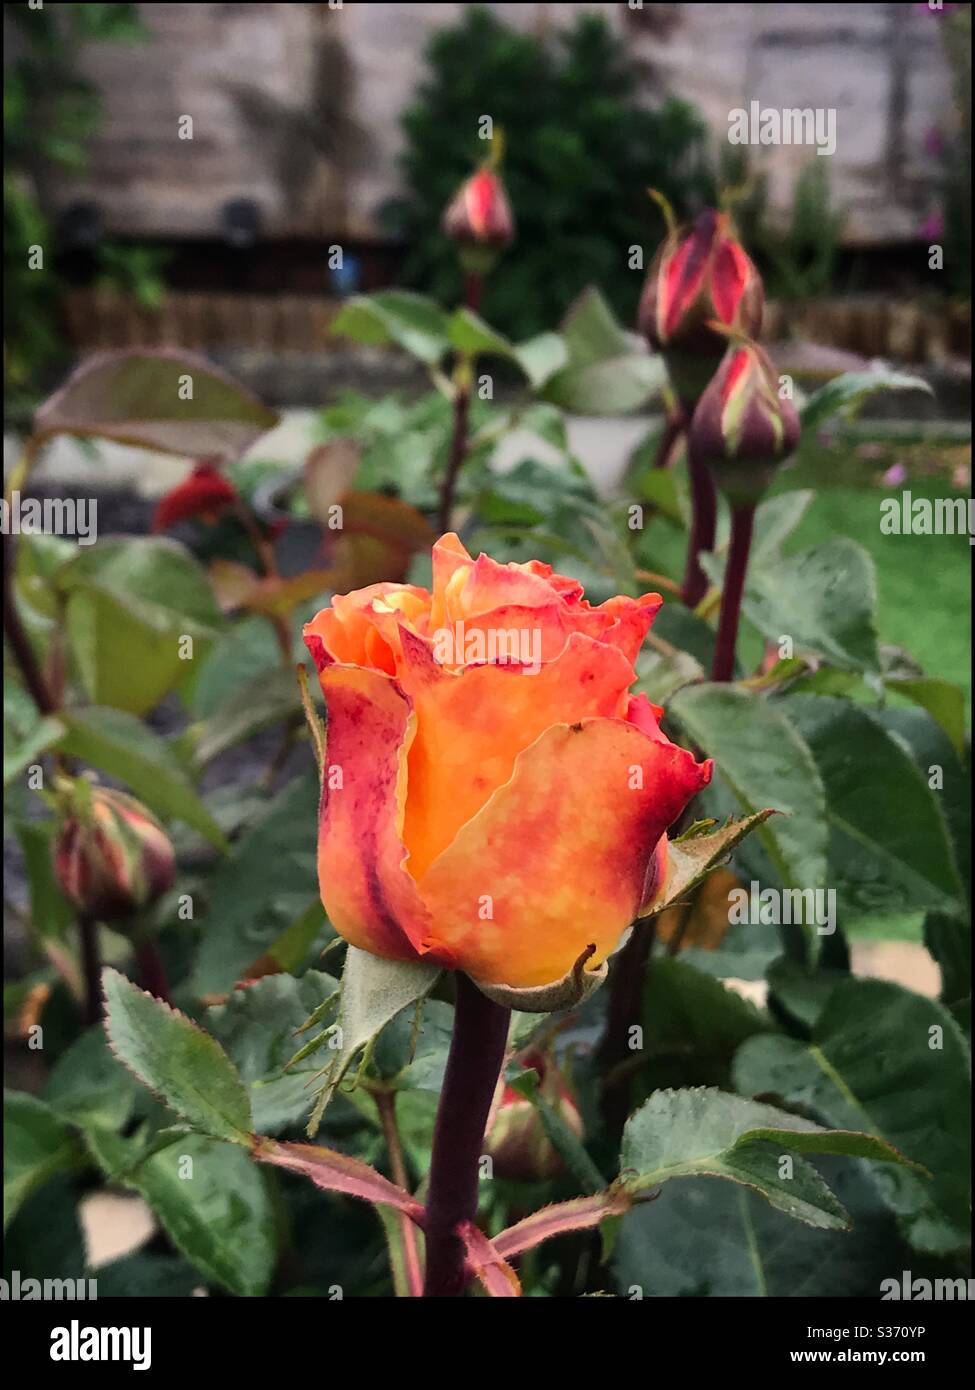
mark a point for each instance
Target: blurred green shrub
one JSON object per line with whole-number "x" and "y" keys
{"x": 50, "y": 113}
{"x": 580, "y": 153}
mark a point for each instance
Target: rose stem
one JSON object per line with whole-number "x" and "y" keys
{"x": 386, "y": 1105}
{"x": 477, "y": 1051}
{"x": 473, "y": 287}
{"x": 152, "y": 972}
{"x": 734, "y": 584}
{"x": 625, "y": 1009}
{"x": 40, "y": 693}
{"x": 672, "y": 431}
{"x": 20, "y": 645}
{"x": 704, "y": 517}
{"x": 269, "y": 566}
{"x": 91, "y": 967}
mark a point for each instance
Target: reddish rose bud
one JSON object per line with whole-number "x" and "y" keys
{"x": 479, "y": 219}
{"x": 517, "y": 1142}
{"x": 205, "y": 493}
{"x": 742, "y": 428}
{"x": 699, "y": 277}
{"x": 111, "y": 857}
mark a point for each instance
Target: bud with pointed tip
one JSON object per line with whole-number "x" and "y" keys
{"x": 699, "y": 276}
{"x": 479, "y": 219}
{"x": 742, "y": 429}
{"x": 517, "y": 1143}
{"x": 111, "y": 857}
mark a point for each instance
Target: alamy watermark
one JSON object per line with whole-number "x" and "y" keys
{"x": 783, "y": 907}
{"x": 17, "y": 1289}
{"x": 908, "y": 515}
{"x": 493, "y": 646}
{"x": 50, "y": 516}
{"x": 792, "y": 125}
{"x": 926, "y": 1290}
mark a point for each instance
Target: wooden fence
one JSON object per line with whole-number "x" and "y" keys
{"x": 872, "y": 326}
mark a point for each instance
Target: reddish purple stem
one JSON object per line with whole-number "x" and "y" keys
{"x": 734, "y": 586}
{"x": 474, "y": 1064}
{"x": 704, "y": 518}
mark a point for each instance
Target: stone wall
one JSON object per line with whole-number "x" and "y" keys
{"x": 296, "y": 106}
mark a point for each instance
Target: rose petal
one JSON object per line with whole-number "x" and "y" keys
{"x": 370, "y": 898}
{"x": 558, "y": 857}
{"x": 471, "y": 726}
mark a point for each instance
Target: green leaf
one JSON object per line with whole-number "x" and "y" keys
{"x": 50, "y": 911}
{"x": 131, "y": 605}
{"x": 847, "y": 393}
{"x": 712, "y": 1240}
{"x": 90, "y": 1087}
{"x": 591, "y": 332}
{"x": 687, "y": 1013}
{"x": 616, "y": 386}
{"x": 889, "y": 844}
{"x": 943, "y": 700}
{"x": 27, "y": 735}
{"x": 269, "y": 877}
{"x": 374, "y": 991}
{"x": 469, "y": 334}
{"x": 271, "y": 697}
{"x": 154, "y": 578}
{"x": 801, "y": 992}
{"x": 147, "y": 1276}
{"x": 706, "y": 1132}
{"x": 141, "y": 397}
{"x": 37, "y": 1144}
{"x": 257, "y": 1027}
{"x": 412, "y": 321}
{"x": 775, "y": 520}
{"x": 180, "y": 1063}
{"x": 237, "y": 657}
{"x": 949, "y": 939}
{"x": 764, "y": 762}
{"x": 691, "y": 857}
{"x": 825, "y": 599}
{"x": 122, "y": 746}
{"x": 541, "y": 357}
{"x": 45, "y": 1238}
{"x": 896, "y": 1065}
{"x": 662, "y": 674}
{"x": 121, "y": 663}
{"x": 411, "y": 1052}
{"x": 40, "y": 559}
{"x": 210, "y": 1198}
{"x": 604, "y": 373}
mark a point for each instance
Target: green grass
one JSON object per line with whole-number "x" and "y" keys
{"x": 923, "y": 582}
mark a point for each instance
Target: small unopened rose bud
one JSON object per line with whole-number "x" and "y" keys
{"x": 111, "y": 857}
{"x": 699, "y": 276}
{"x": 742, "y": 428}
{"x": 479, "y": 219}
{"x": 517, "y": 1142}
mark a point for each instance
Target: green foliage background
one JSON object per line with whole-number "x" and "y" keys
{"x": 580, "y": 153}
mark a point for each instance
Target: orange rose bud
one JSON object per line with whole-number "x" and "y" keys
{"x": 742, "y": 428}
{"x": 517, "y": 1143}
{"x": 205, "y": 493}
{"x": 699, "y": 277}
{"x": 111, "y": 857}
{"x": 493, "y": 797}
